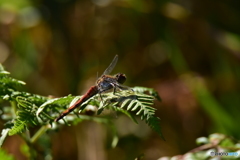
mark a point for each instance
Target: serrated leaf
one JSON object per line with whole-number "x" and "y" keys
{"x": 135, "y": 107}
{"x": 125, "y": 103}
{"x": 62, "y": 100}
{"x": 19, "y": 127}
{"x": 75, "y": 100}
{"x": 145, "y": 89}
{"x": 131, "y": 105}
{"x": 100, "y": 110}
{"x": 147, "y": 104}
{"x": 127, "y": 113}
{"x": 140, "y": 111}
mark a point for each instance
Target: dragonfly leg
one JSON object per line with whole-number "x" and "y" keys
{"x": 102, "y": 100}
{"x": 101, "y": 97}
{"x": 115, "y": 89}
{"x": 122, "y": 87}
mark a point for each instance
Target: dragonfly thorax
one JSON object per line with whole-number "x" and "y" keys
{"x": 106, "y": 82}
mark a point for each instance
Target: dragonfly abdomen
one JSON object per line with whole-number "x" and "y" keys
{"x": 91, "y": 92}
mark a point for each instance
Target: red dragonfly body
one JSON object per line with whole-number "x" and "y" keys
{"x": 103, "y": 84}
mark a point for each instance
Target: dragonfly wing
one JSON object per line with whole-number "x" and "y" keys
{"x": 111, "y": 66}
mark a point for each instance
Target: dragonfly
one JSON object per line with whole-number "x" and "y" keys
{"x": 103, "y": 84}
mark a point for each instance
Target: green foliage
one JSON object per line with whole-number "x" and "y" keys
{"x": 8, "y": 85}
{"x": 29, "y": 110}
{"x": 5, "y": 156}
{"x": 126, "y": 102}
{"x": 137, "y": 102}
{"x": 25, "y": 115}
{"x": 147, "y": 91}
{"x": 215, "y": 143}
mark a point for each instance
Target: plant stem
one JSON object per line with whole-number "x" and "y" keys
{"x": 38, "y": 134}
{"x": 26, "y": 137}
{"x": 14, "y": 108}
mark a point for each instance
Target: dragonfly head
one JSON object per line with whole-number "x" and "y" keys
{"x": 121, "y": 78}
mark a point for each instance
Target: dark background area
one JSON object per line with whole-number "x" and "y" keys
{"x": 189, "y": 51}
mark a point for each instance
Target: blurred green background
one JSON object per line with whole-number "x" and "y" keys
{"x": 189, "y": 51}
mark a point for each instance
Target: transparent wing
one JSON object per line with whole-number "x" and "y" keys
{"x": 111, "y": 66}
{"x": 123, "y": 87}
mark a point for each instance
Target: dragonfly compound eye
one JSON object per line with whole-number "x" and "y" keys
{"x": 121, "y": 78}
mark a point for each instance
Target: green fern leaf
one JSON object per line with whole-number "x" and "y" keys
{"x": 154, "y": 123}
{"x": 126, "y": 103}
{"x": 19, "y": 127}
{"x": 126, "y": 113}
{"x": 63, "y": 101}
{"x": 25, "y": 115}
{"x": 138, "y": 102}
{"x": 145, "y": 90}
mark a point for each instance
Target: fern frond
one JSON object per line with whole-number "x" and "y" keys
{"x": 56, "y": 102}
{"x": 25, "y": 115}
{"x": 154, "y": 123}
{"x": 58, "y": 105}
{"x": 26, "y": 103}
{"x": 8, "y": 82}
{"x": 137, "y": 102}
{"x": 126, "y": 113}
{"x": 146, "y": 90}
{"x": 19, "y": 127}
